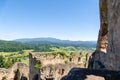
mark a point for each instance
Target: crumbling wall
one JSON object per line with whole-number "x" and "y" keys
{"x": 107, "y": 54}
{"x": 50, "y": 66}
{"x": 16, "y": 72}
{"x": 112, "y": 58}
{"x": 34, "y": 73}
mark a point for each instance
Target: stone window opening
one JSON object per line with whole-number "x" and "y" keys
{"x": 70, "y": 59}
{"x": 36, "y": 77}
{"x": 49, "y": 78}
{"x": 79, "y": 59}
{"x": 23, "y": 77}
{"x": 62, "y": 71}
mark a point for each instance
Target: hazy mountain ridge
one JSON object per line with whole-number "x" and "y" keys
{"x": 42, "y": 44}
{"x": 53, "y": 40}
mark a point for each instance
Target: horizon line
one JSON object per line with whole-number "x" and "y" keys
{"x": 44, "y": 37}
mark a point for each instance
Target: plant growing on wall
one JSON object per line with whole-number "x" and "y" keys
{"x": 66, "y": 61}
{"x": 39, "y": 65}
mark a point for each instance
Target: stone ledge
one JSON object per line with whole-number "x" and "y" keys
{"x": 89, "y": 74}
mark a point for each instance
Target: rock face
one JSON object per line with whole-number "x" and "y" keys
{"x": 90, "y": 74}
{"x": 112, "y": 58}
{"x": 50, "y": 66}
{"x": 19, "y": 71}
{"x": 107, "y": 54}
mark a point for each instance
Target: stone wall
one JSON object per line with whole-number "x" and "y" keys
{"x": 107, "y": 54}
{"x": 33, "y": 72}
{"x": 54, "y": 66}
{"x": 112, "y": 58}
{"x": 16, "y": 72}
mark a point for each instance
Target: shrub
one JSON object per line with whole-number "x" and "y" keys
{"x": 39, "y": 65}
{"x": 66, "y": 61}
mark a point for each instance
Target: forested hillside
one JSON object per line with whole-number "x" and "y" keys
{"x": 43, "y": 44}
{"x": 12, "y": 46}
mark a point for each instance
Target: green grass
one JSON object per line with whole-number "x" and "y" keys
{"x": 12, "y": 57}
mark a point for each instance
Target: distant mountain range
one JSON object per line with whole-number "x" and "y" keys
{"x": 38, "y": 39}
{"x": 42, "y": 44}
{"x": 53, "y": 40}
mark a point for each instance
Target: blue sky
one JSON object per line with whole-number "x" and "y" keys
{"x": 62, "y": 19}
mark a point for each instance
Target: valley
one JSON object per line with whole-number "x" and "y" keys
{"x": 14, "y": 54}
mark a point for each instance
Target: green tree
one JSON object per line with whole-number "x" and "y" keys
{"x": 2, "y": 62}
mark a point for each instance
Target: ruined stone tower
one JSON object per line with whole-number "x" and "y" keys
{"x": 107, "y": 54}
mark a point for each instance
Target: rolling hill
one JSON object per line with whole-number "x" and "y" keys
{"x": 43, "y": 44}
{"x": 56, "y": 41}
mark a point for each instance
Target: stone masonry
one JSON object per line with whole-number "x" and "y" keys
{"x": 107, "y": 54}
{"x": 48, "y": 66}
